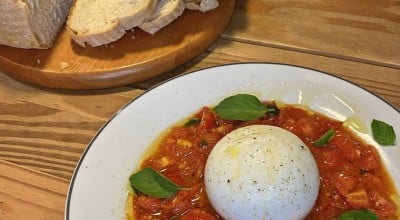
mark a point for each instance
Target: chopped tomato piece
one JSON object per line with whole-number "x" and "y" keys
{"x": 328, "y": 160}
{"x": 369, "y": 159}
{"x": 191, "y": 168}
{"x": 370, "y": 181}
{"x": 358, "y": 199}
{"x": 225, "y": 129}
{"x": 344, "y": 183}
{"x": 149, "y": 203}
{"x": 287, "y": 114}
{"x": 180, "y": 132}
{"x": 149, "y": 217}
{"x": 207, "y": 120}
{"x": 182, "y": 201}
{"x": 198, "y": 214}
{"x": 211, "y": 138}
{"x": 308, "y": 128}
{"x": 347, "y": 147}
{"x": 383, "y": 207}
{"x": 178, "y": 204}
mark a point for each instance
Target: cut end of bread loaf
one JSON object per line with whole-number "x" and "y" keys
{"x": 32, "y": 24}
{"x": 99, "y": 22}
{"x": 166, "y": 12}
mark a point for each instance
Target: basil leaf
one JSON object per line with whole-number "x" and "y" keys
{"x": 383, "y": 133}
{"x": 325, "y": 138}
{"x": 243, "y": 107}
{"x": 192, "y": 121}
{"x": 153, "y": 183}
{"x": 358, "y": 215}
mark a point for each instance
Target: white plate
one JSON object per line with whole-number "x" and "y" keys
{"x": 99, "y": 185}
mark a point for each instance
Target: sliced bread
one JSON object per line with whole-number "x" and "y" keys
{"x": 166, "y": 12}
{"x": 201, "y": 5}
{"x": 99, "y": 22}
{"x": 33, "y": 23}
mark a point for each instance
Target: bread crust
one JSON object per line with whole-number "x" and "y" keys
{"x": 166, "y": 12}
{"x": 201, "y": 5}
{"x": 83, "y": 32}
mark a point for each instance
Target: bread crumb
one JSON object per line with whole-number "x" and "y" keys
{"x": 133, "y": 37}
{"x": 36, "y": 62}
{"x": 63, "y": 65}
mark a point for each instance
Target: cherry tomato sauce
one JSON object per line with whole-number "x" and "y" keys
{"x": 351, "y": 173}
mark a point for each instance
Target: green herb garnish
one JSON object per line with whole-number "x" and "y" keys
{"x": 192, "y": 121}
{"x": 203, "y": 143}
{"x": 153, "y": 183}
{"x": 383, "y": 133}
{"x": 273, "y": 110}
{"x": 325, "y": 138}
{"x": 358, "y": 215}
{"x": 243, "y": 107}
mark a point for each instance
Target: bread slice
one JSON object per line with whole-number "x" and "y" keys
{"x": 166, "y": 12}
{"x": 201, "y": 5}
{"x": 99, "y": 22}
{"x": 33, "y": 23}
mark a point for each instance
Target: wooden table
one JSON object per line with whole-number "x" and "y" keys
{"x": 43, "y": 132}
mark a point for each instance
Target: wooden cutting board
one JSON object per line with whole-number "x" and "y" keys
{"x": 137, "y": 56}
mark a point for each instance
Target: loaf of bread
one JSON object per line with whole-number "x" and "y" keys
{"x": 33, "y": 23}
{"x": 36, "y": 23}
{"x": 99, "y": 22}
{"x": 166, "y": 12}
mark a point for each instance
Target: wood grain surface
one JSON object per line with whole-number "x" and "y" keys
{"x": 135, "y": 57}
{"x": 46, "y": 130}
{"x": 358, "y": 30}
{"x": 49, "y": 130}
{"x": 28, "y": 194}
